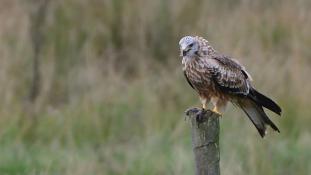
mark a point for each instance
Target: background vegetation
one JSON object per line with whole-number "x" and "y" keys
{"x": 95, "y": 86}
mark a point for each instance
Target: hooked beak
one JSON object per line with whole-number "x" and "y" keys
{"x": 183, "y": 51}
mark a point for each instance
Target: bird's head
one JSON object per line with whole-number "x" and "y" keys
{"x": 189, "y": 46}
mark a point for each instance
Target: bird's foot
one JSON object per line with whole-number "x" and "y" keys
{"x": 215, "y": 110}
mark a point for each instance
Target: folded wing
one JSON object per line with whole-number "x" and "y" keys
{"x": 231, "y": 78}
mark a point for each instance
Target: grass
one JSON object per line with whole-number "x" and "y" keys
{"x": 69, "y": 143}
{"x": 112, "y": 92}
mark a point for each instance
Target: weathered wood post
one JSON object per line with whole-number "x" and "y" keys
{"x": 205, "y": 141}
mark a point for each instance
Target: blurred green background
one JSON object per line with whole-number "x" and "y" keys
{"x": 96, "y": 87}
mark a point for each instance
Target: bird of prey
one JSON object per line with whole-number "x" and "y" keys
{"x": 218, "y": 78}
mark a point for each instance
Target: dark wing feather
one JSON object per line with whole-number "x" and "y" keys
{"x": 229, "y": 76}
{"x": 264, "y": 101}
{"x": 232, "y": 78}
{"x": 188, "y": 79}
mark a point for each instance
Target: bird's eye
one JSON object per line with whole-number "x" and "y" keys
{"x": 190, "y": 45}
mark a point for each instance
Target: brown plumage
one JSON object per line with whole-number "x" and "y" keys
{"x": 219, "y": 79}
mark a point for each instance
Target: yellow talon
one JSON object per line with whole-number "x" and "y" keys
{"x": 215, "y": 110}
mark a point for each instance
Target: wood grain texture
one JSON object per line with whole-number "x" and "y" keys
{"x": 205, "y": 141}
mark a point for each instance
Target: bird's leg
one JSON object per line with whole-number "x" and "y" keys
{"x": 204, "y": 102}
{"x": 204, "y": 106}
{"x": 215, "y": 110}
{"x": 219, "y": 105}
{"x": 201, "y": 113}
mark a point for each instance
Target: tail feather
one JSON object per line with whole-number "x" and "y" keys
{"x": 264, "y": 101}
{"x": 257, "y": 115}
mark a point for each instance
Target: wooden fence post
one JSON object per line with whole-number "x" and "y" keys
{"x": 205, "y": 141}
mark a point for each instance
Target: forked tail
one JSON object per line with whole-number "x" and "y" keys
{"x": 257, "y": 115}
